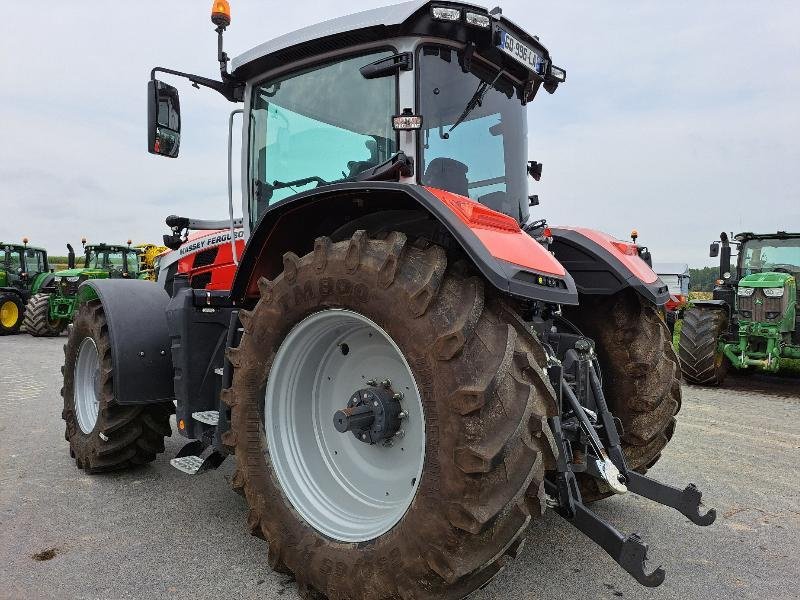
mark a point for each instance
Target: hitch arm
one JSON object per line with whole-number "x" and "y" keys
{"x": 686, "y": 501}
{"x": 629, "y": 552}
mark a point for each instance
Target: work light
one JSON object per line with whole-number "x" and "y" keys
{"x": 773, "y": 292}
{"x": 477, "y": 20}
{"x": 746, "y": 292}
{"x": 443, "y": 13}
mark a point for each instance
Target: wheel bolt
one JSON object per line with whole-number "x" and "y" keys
{"x": 400, "y": 434}
{"x": 372, "y": 383}
{"x": 398, "y": 396}
{"x": 402, "y": 415}
{"x": 386, "y": 383}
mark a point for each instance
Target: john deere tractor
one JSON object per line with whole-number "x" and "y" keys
{"x": 752, "y": 322}
{"x": 407, "y": 365}
{"x": 23, "y": 272}
{"x": 51, "y": 308}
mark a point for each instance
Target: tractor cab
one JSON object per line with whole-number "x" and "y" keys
{"x": 21, "y": 264}
{"x": 116, "y": 261}
{"x": 418, "y": 93}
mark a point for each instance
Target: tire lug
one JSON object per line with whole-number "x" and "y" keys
{"x": 372, "y": 383}
{"x": 400, "y": 434}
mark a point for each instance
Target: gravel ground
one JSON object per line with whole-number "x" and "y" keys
{"x": 155, "y": 532}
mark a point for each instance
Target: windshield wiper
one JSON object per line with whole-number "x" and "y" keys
{"x": 474, "y": 102}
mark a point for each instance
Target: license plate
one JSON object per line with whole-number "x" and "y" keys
{"x": 520, "y": 52}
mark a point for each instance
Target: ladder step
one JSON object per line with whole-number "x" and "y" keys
{"x": 209, "y": 417}
{"x": 188, "y": 464}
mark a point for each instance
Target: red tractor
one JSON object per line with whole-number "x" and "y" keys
{"x": 406, "y": 366}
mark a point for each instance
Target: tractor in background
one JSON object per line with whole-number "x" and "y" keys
{"x": 752, "y": 322}
{"x": 676, "y": 277}
{"x": 148, "y": 258}
{"x": 24, "y": 270}
{"x": 51, "y": 308}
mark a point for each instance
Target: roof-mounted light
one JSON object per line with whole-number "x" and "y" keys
{"x": 477, "y": 20}
{"x": 221, "y": 13}
{"x": 558, "y": 73}
{"x": 444, "y": 13}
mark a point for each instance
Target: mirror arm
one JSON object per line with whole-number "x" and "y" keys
{"x": 232, "y": 89}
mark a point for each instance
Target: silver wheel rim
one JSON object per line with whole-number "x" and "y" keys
{"x": 345, "y": 489}
{"x": 87, "y": 378}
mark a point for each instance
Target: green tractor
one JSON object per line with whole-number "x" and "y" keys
{"x": 24, "y": 270}
{"x": 51, "y": 309}
{"x": 752, "y": 321}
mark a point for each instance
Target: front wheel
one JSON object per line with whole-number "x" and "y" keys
{"x": 103, "y": 435}
{"x": 702, "y": 360}
{"x": 37, "y": 317}
{"x": 387, "y": 416}
{"x": 11, "y": 311}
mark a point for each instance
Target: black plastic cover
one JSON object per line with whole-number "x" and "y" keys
{"x": 140, "y": 346}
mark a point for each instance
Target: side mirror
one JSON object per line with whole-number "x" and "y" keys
{"x": 713, "y": 250}
{"x": 163, "y": 119}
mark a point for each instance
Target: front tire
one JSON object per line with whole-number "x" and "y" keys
{"x": 37, "y": 317}
{"x": 483, "y": 401}
{"x": 702, "y": 361}
{"x": 11, "y": 311}
{"x": 103, "y": 435}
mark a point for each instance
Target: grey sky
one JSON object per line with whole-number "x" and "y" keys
{"x": 678, "y": 118}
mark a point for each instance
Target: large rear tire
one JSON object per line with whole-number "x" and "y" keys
{"x": 102, "y": 435}
{"x": 702, "y": 361}
{"x": 482, "y": 402}
{"x": 641, "y": 377}
{"x": 11, "y": 311}
{"x": 37, "y": 317}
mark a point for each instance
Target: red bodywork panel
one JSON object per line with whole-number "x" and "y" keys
{"x": 626, "y": 252}
{"x": 501, "y": 234}
{"x": 218, "y": 273}
{"x": 675, "y": 300}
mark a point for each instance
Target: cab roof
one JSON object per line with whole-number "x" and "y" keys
{"x": 112, "y": 247}
{"x": 21, "y": 246}
{"x": 780, "y": 235}
{"x": 407, "y": 18}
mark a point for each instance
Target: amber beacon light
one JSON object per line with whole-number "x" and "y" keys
{"x": 221, "y": 13}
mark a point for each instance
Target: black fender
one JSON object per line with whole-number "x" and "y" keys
{"x": 599, "y": 269}
{"x": 135, "y": 311}
{"x": 295, "y": 222}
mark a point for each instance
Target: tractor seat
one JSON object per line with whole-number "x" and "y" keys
{"x": 447, "y": 174}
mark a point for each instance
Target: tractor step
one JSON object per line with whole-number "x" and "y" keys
{"x": 188, "y": 464}
{"x": 189, "y": 459}
{"x": 209, "y": 417}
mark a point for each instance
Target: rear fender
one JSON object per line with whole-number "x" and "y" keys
{"x": 135, "y": 311}
{"x": 509, "y": 258}
{"x": 600, "y": 267}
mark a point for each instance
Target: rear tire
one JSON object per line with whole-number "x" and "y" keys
{"x": 102, "y": 435}
{"x": 641, "y": 377}
{"x": 702, "y": 362}
{"x": 485, "y": 399}
{"x": 37, "y": 317}
{"x": 11, "y": 313}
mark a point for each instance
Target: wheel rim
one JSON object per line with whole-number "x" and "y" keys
{"x": 346, "y": 489}
{"x": 9, "y": 314}
{"x": 87, "y": 376}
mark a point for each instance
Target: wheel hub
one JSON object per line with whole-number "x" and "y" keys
{"x": 373, "y": 414}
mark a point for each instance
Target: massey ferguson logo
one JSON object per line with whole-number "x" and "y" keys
{"x": 209, "y": 242}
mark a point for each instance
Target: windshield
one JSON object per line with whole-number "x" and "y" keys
{"x": 12, "y": 261}
{"x": 325, "y": 125}
{"x": 769, "y": 255}
{"x": 483, "y": 153}
{"x": 111, "y": 260}
{"x": 34, "y": 261}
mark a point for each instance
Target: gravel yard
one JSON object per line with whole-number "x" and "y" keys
{"x": 155, "y": 532}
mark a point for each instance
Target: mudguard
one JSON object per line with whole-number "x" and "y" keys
{"x": 602, "y": 265}
{"x": 508, "y": 257}
{"x": 135, "y": 310}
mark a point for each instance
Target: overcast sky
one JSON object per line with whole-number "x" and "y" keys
{"x": 678, "y": 118}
